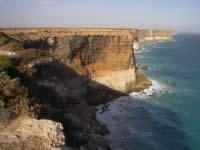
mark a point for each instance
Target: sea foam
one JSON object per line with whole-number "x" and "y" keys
{"x": 157, "y": 88}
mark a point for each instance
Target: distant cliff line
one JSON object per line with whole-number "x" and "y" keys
{"x": 151, "y": 36}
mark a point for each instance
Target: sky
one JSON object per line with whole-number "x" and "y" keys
{"x": 178, "y": 15}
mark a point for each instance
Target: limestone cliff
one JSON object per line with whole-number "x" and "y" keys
{"x": 150, "y": 36}
{"x": 101, "y": 55}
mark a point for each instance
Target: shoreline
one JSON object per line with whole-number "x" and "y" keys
{"x": 167, "y": 113}
{"x": 155, "y": 88}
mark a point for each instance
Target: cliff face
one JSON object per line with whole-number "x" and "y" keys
{"x": 150, "y": 36}
{"x": 106, "y": 59}
{"x": 101, "y": 55}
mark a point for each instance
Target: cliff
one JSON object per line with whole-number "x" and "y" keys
{"x": 101, "y": 55}
{"x": 56, "y": 73}
{"x": 59, "y": 73}
{"x": 150, "y": 36}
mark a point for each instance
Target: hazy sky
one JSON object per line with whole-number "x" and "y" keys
{"x": 179, "y": 15}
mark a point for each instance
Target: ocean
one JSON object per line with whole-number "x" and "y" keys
{"x": 167, "y": 115}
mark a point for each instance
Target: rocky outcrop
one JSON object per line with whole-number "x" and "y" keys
{"x": 79, "y": 120}
{"x": 142, "y": 83}
{"x": 144, "y": 67}
{"x": 32, "y": 134}
{"x": 150, "y": 36}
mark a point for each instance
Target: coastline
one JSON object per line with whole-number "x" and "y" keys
{"x": 148, "y": 122}
{"x": 146, "y": 87}
{"x": 115, "y": 108}
{"x": 77, "y": 116}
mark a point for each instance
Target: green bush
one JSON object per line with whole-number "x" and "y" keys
{"x": 3, "y": 41}
{"x": 6, "y": 63}
{"x": 10, "y": 66}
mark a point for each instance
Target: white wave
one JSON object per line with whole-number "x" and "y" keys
{"x": 145, "y": 50}
{"x": 138, "y": 51}
{"x": 173, "y": 40}
{"x": 157, "y": 88}
{"x": 142, "y": 50}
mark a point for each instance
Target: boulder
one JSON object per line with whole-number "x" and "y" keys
{"x": 144, "y": 67}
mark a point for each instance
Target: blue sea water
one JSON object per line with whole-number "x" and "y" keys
{"x": 166, "y": 116}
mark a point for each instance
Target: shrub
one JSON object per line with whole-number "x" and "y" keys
{"x": 14, "y": 97}
{"x": 5, "y": 63}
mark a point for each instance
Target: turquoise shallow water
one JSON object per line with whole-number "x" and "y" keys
{"x": 169, "y": 119}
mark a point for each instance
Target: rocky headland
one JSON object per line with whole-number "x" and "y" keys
{"x": 60, "y": 75}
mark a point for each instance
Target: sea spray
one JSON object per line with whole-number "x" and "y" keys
{"x": 156, "y": 89}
